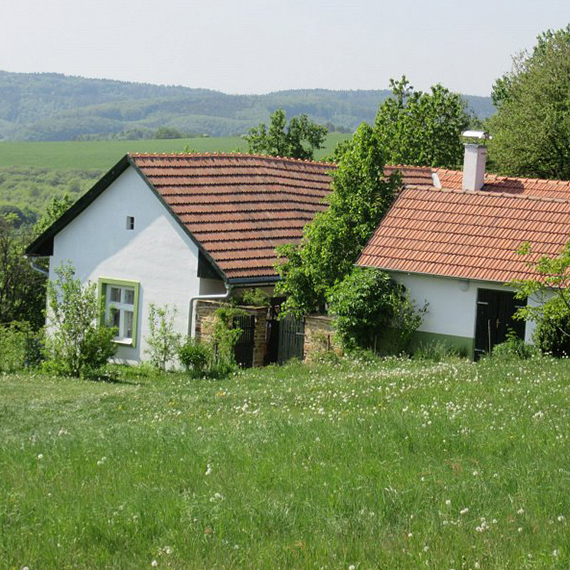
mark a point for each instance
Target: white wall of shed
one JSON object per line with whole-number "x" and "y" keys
{"x": 452, "y": 303}
{"x": 157, "y": 253}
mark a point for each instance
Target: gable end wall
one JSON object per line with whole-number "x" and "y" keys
{"x": 157, "y": 253}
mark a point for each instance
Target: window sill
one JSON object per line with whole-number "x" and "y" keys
{"x": 125, "y": 342}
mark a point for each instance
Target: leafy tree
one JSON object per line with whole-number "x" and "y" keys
{"x": 531, "y": 130}
{"x": 19, "y": 217}
{"x": 299, "y": 139}
{"x": 75, "y": 343}
{"x": 373, "y": 311}
{"x": 334, "y": 239}
{"x": 168, "y": 133}
{"x": 420, "y": 128}
{"x": 163, "y": 340}
{"x": 55, "y": 208}
{"x": 22, "y": 290}
{"x": 550, "y": 293}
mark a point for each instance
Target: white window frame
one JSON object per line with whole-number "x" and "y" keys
{"x": 109, "y": 306}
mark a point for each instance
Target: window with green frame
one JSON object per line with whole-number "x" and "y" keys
{"x": 120, "y": 308}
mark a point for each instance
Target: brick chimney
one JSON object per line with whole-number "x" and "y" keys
{"x": 474, "y": 161}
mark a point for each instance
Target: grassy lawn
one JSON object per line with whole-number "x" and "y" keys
{"x": 398, "y": 464}
{"x": 102, "y": 155}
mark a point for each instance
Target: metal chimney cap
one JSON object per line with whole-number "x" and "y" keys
{"x": 484, "y": 135}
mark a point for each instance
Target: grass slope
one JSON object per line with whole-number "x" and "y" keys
{"x": 393, "y": 465}
{"x": 102, "y": 155}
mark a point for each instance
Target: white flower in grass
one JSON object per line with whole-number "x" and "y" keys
{"x": 555, "y": 552}
{"x": 520, "y": 512}
{"x": 208, "y": 469}
{"x": 352, "y": 567}
{"x": 154, "y": 563}
{"x": 448, "y": 502}
{"x": 561, "y": 518}
{"x": 40, "y": 456}
{"x": 464, "y": 511}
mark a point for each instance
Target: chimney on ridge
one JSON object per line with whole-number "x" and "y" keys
{"x": 474, "y": 161}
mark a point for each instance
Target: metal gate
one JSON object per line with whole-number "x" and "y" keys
{"x": 244, "y": 347}
{"x": 291, "y": 339}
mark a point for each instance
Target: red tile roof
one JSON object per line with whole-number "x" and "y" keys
{"x": 239, "y": 207}
{"x": 451, "y": 179}
{"x": 470, "y": 235}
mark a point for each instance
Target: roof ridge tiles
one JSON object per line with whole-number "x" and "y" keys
{"x": 484, "y": 193}
{"x": 229, "y": 155}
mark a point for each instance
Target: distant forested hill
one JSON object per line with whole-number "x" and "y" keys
{"x": 55, "y": 107}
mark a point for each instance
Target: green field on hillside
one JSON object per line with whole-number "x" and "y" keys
{"x": 31, "y": 173}
{"x": 354, "y": 465}
{"x": 102, "y": 155}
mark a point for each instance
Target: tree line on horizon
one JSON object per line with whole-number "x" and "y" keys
{"x": 44, "y": 107}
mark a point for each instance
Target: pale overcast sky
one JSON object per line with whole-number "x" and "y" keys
{"x": 257, "y": 46}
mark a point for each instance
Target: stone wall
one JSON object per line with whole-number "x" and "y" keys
{"x": 319, "y": 336}
{"x": 205, "y": 320}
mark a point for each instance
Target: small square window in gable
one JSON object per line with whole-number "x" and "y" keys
{"x": 130, "y": 222}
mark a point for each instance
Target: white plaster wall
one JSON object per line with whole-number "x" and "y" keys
{"x": 157, "y": 253}
{"x": 452, "y": 305}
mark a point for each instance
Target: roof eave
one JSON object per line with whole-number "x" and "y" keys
{"x": 270, "y": 280}
{"x": 441, "y": 276}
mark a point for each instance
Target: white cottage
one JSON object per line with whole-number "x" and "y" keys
{"x": 453, "y": 244}
{"x": 171, "y": 229}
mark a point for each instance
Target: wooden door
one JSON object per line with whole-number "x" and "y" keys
{"x": 495, "y": 310}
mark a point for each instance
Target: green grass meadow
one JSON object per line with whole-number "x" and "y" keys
{"x": 102, "y": 155}
{"x": 353, "y": 465}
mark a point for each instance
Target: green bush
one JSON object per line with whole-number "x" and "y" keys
{"x": 75, "y": 344}
{"x": 195, "y": 356}
{"x": 514, "y": 348}
{"x": 163, "y": 341}
{"x": 373, "y": 312}
{"x": 551, "y": 334}
{"x": 254, "y": 297}
{"x": 225, "y": 336}
{"x": 20, "y": 347}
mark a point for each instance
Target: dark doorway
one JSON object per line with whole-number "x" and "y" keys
{"x": 244, "y": 347}
{"x": 272, "y": 354}
{"x": 495, "y": 310}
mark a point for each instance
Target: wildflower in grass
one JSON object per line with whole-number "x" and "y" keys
{"x": 560, "y": 518}
{"x": 448, "y": 502}
{"x": 40, "y": 456}
{"x": 208, "y": 469}
{"x": 520, "y": 512}
{"x": 154, "y": 563}
{"x": 464, "y": 511}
